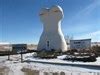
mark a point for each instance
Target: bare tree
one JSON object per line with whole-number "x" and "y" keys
{"x": 68, "y": 38}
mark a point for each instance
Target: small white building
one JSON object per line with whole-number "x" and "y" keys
{"x": 95, "y": 44}
{"x": 80, "y": 44}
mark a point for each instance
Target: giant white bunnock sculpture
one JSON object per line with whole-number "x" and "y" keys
{"x": 52, "y": 36}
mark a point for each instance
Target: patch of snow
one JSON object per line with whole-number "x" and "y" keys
{"x": 61, "y": 57}
{"x": 15, "y": 66}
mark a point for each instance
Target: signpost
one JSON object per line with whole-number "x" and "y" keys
{"x": 19, "y": 48}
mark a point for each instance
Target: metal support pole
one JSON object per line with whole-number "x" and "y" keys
{"x": 21, "y": 56}
{"x": 8, "y": 56}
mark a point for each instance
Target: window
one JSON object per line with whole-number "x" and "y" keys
{"x": 77, "y": 42}
{"x": 47, "y": 43}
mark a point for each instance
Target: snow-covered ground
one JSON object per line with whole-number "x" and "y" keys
{"x": 14, "y": 67}
{"x": 30, "y": 58}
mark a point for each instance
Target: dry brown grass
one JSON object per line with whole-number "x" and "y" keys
{"x": 4, "y": 70}
{"x": 29, "y": 71}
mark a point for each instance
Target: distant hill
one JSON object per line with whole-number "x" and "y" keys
{"x": 7, "y": 47}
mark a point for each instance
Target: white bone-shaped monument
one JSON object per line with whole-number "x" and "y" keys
{"x": 52, "y": 37}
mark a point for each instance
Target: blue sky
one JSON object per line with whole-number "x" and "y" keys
{"x": 20, "y": 23}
